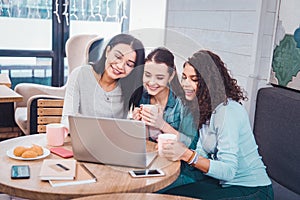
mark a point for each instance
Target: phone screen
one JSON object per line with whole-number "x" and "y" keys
{"x": 146, "y": 172}
{"x": 20, "y": 171}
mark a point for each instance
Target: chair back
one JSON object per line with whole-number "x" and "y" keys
{"x": 47, "y": 111}
{"x": 76, "y": 50}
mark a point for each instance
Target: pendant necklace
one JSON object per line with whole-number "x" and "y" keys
{"x": 106, "y": 95}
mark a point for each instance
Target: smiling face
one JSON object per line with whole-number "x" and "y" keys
{"x": 120, "y": 61}
{"x": 156, "y": 77}
{"x": 189, "y": 82}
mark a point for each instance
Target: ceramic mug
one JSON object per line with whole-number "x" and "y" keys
{"x": 152, "y": 131}
{"x": 56, "y": 134}
{"x": 163, "y": 138}
{"x": 150, "y": 107}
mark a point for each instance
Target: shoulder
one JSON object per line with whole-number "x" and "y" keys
{"x": 81, "y": 75}
{"x": 230, "y": 106}
{"x": 82, "y": 69}
{"x": 231, "y": 110}
{"x": 178, "y": 105}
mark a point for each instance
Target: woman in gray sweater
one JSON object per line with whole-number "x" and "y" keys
{"x": 103, "y": 89}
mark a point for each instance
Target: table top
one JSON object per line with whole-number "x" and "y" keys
{"x": 110, "y": 179}
{"x": 7, "y": 95}
{"x": 136, "y": 196}
{"x": 5, "y": 80}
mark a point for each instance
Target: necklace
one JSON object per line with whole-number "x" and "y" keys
{"x": 105, "y": 93}
{"x": 98, "y": 78}
{"x": 106, "y": 96}
{"x": 108, "y": 88}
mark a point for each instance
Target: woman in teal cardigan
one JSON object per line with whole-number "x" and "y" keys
{"x": 159, "y": 79}
{"x": 161, "y": 87}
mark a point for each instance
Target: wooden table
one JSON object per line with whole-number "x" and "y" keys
{"x": 136, "y": 196}
{"x": 5, "y": 80}
{"x": 7, "y": 95}
{"x": 110, "y": 179}
{"x": 8, "y": 127}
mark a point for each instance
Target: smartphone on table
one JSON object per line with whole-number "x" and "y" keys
{"x": 62, "y": 152}
{"x": 146, "y": 173}
{"x": 20, "y": 172}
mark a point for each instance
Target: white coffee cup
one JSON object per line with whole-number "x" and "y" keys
{"x": 56, "y": 134}
{"x": 150, "y": 107}
{"x": 152, "y": 131}
{"x": 162, "y": 138}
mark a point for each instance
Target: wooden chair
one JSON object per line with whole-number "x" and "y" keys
{"x": 44, "y": 110}
{"x": 48, "y": 111}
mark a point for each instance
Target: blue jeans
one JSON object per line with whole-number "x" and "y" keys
{"x": 210, "y": 189}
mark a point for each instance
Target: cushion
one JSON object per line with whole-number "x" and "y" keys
{"x": 277, "y": 133}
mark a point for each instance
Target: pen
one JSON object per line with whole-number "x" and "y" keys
{"x": 88, "y": 171}
{"x": 129, "y": 116}
{"x": 62, "y": 166}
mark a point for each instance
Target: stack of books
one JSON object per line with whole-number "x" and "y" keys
{"x": 61, "y": 172}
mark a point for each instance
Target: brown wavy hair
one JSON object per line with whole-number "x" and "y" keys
{"x": 232, "y": 89}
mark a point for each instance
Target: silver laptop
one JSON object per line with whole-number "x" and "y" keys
{"x": 110, "y": 141}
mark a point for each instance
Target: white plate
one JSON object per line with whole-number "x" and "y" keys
{"x": 10, "y": 153}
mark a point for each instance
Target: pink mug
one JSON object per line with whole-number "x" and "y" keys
{"x": 56, "y": 134}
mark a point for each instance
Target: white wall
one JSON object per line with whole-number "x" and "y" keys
{"x": 147, "y": 21}
{"x": 240, "y": 31}
{"x": 147, "y": 14}
{"x": 290, "y": 15}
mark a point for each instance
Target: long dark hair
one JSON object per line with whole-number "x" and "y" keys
{"x": 159, "y": 55}
{"x": 134, "y": 79}
{"x": 232, "y": 89}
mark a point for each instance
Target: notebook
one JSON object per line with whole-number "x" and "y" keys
{"x": 58, "y": 169}
{"x": 110, "y": 141}
{"x": 83, "y": 176}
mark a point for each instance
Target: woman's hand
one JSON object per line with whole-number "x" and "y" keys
{"x": 174, "y": 150}
{"x": 136, "y": 113}
{"x": 153, "y": 118}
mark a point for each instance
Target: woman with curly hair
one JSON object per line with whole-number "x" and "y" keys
{"x": 226, "y": 151}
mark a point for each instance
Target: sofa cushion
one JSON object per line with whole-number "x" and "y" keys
{"x": 21, "y": 119}
{"x": 277, "y": 133}
{"x": 282, "y": 193}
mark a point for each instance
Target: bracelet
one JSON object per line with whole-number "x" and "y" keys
{"x": 191, "y": 158}
{"x": 195, "y": 160}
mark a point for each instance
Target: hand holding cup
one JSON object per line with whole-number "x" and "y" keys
{"x": 152, "y": 115}
{"x": 164, "y": 139}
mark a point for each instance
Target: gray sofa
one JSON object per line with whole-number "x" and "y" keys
{"x": 277, "y": 133}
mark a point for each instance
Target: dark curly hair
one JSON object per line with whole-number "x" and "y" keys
{"x": 232, "y": 89}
